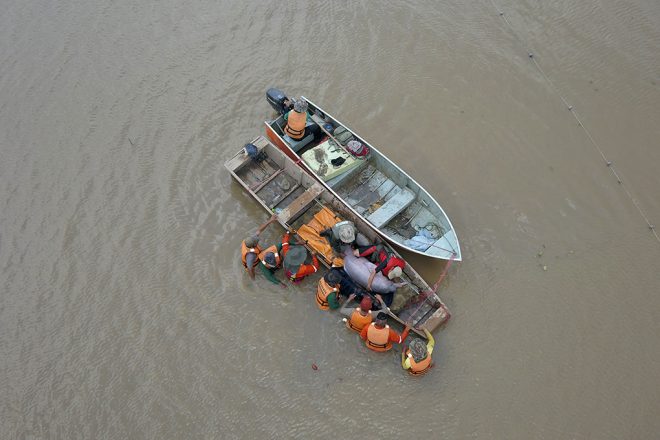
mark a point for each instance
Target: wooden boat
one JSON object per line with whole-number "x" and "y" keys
{"x": 281, "y": 186}
{"x": 376, "y": 189}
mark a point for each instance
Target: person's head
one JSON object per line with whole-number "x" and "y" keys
{"x": 418, "y": 349}
{"x": 332, "y": 277}
{"x": 252, "y": 241}
{"x": 300, "y": 105}
{"x": 381, "y": 319}
{"x": 294, "y": 258}
{"x": 365, "y": 304}
{"x": 345, "y": 232}
{"x": 395, "y": 272}
{"x": 270, "y": 259}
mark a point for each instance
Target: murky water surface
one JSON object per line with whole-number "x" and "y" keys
{"x": 125, "y": 313}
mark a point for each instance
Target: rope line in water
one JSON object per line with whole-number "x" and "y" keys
{"x": 570, "y": 108}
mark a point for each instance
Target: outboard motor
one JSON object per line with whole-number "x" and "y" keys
{"x": 276, "y": 98}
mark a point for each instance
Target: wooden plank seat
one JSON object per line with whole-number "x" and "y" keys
{"x": 400, "y": 201}
{"x": 301, "y": 202}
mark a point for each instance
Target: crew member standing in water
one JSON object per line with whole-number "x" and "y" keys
{"x": 250, "y": 249}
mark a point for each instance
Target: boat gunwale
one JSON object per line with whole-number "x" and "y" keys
{"x": 416, "y": 279}
{"x": 457, "y": 252}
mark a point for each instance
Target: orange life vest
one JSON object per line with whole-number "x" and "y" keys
{"x": 322, "y": 293}
{"x": 357, "y": 321}
{"x": 295, "y": 125}
{"x": 246, "y": 250}
{"x": 378, "y": 339}
{"x": 278, "y": 259}
{"x": 421, "y": 367}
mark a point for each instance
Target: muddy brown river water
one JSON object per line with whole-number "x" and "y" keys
{"x": 125, "y": 312}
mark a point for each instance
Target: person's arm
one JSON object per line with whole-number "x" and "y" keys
{"x": 371, "y": 280}
{"x": 270, "y": 276}
{"x": 431, "y": 343}
{"x": 395, "y": 337}
{"x": 381, "y": 266}
{"x": 363, "y": 333}
{"x": 283, "y": 247}
{"x": 377, "y": 269}
{"x": 273, "y": 218}
{"x": 365, "y": 252}
{"x": 405, "y": 360}
{"x": 333, "y": 301}
{"x": 347, "y": 309}
{"x": 308, "y": 269}
{"x": 380, "y": 299}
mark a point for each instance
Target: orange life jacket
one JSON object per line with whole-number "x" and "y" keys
{"x": 357, "y": 321}
{"x": 378, "y": 339}
{"x": 246, "y": 250}
{"x": 322, "y": 293}
{"x": 421, "y": 367}
{"x": 278, "y": 259}
{"x": 295, "y": 125}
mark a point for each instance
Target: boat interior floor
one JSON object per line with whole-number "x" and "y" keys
{"x": 268, "y": 181}
{"x": 375, "y": 196}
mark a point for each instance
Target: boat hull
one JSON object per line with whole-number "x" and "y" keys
{"x": 443, "y": 245}
{"x": 278, "y": 184}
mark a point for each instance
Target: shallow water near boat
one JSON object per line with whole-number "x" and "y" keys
{"x": 125, "y": 312}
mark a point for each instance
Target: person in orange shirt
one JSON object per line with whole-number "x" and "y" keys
{"x": 294, "y": 260}
{"x": 378, "y": 336}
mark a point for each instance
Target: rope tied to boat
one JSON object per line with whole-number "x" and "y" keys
{"x": 423, "y": 296}
{"x": 574, "y": 113}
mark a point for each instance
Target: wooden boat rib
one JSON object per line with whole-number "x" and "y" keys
{"x": 374, "y": 188}
{"x": 280, "y": 185}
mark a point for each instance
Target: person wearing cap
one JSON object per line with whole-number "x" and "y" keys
{"x": 360, "y": 316}
{"x": 378, "y": 335}
{"x": 328, "y": 292}
{"x": 416, "y": 358}
{"x": 341, "y": 234}
{"x": 271, "y": 260}
{"x": 250, "y": 249}
{"x": 294, "y": 261}
{"x": 296, "y": 121}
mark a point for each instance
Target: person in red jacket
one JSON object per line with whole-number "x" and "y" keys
{"x": 294, "y": 260}
{"x": 389, "y": 264}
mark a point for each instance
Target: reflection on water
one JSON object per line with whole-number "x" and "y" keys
{"x": 126, "y": 312}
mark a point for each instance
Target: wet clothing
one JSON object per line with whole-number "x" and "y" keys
{"x": 381, "y": 339}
